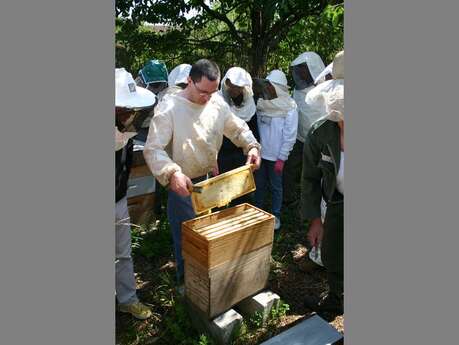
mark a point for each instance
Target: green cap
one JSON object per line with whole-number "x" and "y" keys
{"x": 154, "y": 71}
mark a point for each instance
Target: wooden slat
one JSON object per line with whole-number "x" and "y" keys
{"x": 225, "y": 220}
{"x": 141, "y": 208}
{"x": 231, "y": 246}
{"x": 228, "y": 223}
{"x": 195, "y": 246}
{"x": 231, "y": 283}
{"x": 202, "y": 221}
{"x": 220, "y": 190}
{"x": 139, "y": 171}
{"x": 137, "y": 158}
{"x": 216, "y": 290}
{"x": 197, "y": 284}
{"x": 230, "y": 266}
{"x": 238, "y": 232}
{"x": 237, "y": 226}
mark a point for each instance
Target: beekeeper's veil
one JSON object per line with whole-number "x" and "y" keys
{"x": 241, "y": 78}
{"x": 327, "y": 97}
{"x": 305, "y": 69}
{"x": 177, "y": 79}
{"x": 283, "y": 104}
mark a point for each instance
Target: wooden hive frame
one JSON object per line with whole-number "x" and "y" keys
{"x": 220, "y": 190}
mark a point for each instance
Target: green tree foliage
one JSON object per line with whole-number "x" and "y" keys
{"x": 255, "y": 34}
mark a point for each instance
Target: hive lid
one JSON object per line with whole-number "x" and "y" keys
{"x": 220, "y": 190}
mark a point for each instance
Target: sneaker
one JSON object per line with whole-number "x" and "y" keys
{"x": 327, "y": 304}
{"x": 277, "y": 224}
{"x": 138, "y": 310}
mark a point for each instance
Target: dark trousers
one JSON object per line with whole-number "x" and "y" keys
{"x": 264, "y": 177}
{"x": 332, "y": 248}
{"x": 292, "y": 174}
{"x": 179, "y": 209}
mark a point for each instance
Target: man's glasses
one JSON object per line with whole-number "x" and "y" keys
{"x": 203, "y": 92}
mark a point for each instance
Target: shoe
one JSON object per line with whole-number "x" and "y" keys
{"x": 138, "y": 310}
{"x": 327, "y": 304}
{"x": 277, "y": 224}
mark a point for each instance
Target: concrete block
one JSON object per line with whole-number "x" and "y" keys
{"x": 312, "y": 331}
{"x": 225, "y": 326}
{"x": 222, "y": 328}
{"x": 262, "y": 303}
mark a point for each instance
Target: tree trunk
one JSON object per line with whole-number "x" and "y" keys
{"x": 258, "y": 59}
{"x": 259, "y": 48}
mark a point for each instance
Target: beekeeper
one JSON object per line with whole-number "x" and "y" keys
{"x": 304, "y": 69}
{"x": 152, "y": 76}
{"x": 326, "y": 74}
{"x": 322, "y": 178}
{"x": 184, "y": 139}
{"x": 236, "y": 90}
{"x": 277, "y": 124}
{"x": 128, "y": 99}
{"x": 315, "y": 99}
{"x": 177, "y": 80}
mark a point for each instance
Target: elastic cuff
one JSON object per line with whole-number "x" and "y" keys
{"x": 251, "y": 146}
{"x": 169, "y": 174}
{"x": 282, "y": 158}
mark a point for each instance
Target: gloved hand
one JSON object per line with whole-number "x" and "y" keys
{"x": 279, "y": 166}
{"x": 315, "y": 232}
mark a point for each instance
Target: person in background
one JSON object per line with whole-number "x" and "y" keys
{"x": 236, "y": 90}
{"x": 315, "y": 99}
{"x": 322, "y": 178}
{"x": 184, "y": 139}
{"x": 277, "y": 125}
{"x": 178, "y": 79}
{"x": 325, "y": 75}
{"x": 154, "y": 77}
{"x": 128, "y": 99}
{"x": 304, "y": 69}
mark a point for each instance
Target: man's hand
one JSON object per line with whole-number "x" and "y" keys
{"x": 253, "y": 157}
{"x": 315, "y": 232}
{"x": 279, "y": 166}
{"x": 215, "y": 171}
{"x": 180, "y": 184}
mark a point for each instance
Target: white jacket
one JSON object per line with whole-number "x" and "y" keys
{"x": 307, "y": 114}
{"x": 185, "y": 136}
{"x": 277, "y": 135}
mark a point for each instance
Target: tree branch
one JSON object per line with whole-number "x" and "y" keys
{"x": 281, "y": 27}
{"x": 222, "y": 17}
{"x": 208, "y": 38}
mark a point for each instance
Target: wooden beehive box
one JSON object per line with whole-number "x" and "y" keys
{"x": 141, "y": 187}
{"x": 227, "y": 253}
